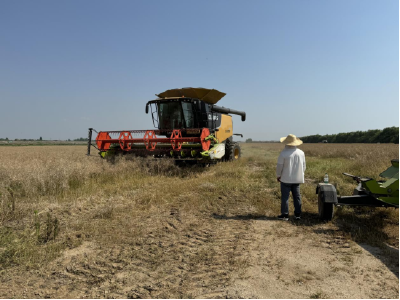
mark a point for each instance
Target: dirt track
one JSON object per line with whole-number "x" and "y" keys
{"x": 289, "y": 262}
{"x": 215, "y": 256}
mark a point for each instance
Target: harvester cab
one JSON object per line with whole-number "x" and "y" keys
{"x": 189, "y": 127}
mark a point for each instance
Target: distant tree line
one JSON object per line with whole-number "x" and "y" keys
{"x": 251, "y": 141}
{"x": 40, "y": 139}
{"x": 25, "y": 140}
{"x": 387, "y": 135}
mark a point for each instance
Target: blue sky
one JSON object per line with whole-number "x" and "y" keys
{"x": 301, "y": 67}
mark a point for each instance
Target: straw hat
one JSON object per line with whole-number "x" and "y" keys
{"x": 291, "y": 140}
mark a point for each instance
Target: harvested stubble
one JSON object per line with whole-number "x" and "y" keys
{"x": 128, "y": 201}
{"x": 37, "y": 181}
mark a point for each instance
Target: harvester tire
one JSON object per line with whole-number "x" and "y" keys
{"x": 232, "y": 151}
{"x": 325, "y": 210}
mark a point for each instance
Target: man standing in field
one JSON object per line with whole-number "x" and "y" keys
{"x": 290, "y": 173}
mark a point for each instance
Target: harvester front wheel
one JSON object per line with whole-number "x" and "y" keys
{"x": 325, "y": 210}
{"x": 232, "y": 151}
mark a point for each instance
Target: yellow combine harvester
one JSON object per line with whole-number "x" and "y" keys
{"x": 190, "y": 128}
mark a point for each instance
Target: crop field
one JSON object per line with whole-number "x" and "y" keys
{"x": 73, "y": 226}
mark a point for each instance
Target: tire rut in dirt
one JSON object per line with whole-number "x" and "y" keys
{"x": 185, "y": 256}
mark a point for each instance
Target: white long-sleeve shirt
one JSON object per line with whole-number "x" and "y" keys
{"x": 291, "y": 165}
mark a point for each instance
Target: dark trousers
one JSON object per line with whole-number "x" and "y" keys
{"x": 286, "y": 188}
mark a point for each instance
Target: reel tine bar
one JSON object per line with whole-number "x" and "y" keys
{"x": 148, "y": 138}
{"x": 176, "y": 135}
{"x": 124, "y": 142}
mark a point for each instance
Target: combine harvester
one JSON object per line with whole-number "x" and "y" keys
{"x": 190, "y": 129}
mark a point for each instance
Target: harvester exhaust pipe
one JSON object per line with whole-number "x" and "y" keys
{"x": 225, "y": 110}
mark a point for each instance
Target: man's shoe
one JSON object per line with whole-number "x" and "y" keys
{"x": 297, "y": 216}
{"x": 283, "y": 217}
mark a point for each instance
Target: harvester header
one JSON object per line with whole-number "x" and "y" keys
{"x": 189, "y": 127}
{"x": 369, "y": 192}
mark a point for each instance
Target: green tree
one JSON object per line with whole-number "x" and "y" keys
{"x": 387, "y": 135}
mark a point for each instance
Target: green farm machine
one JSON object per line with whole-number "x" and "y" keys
{"x": 369, "y": 192}
{"x": 190, "y": 128}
